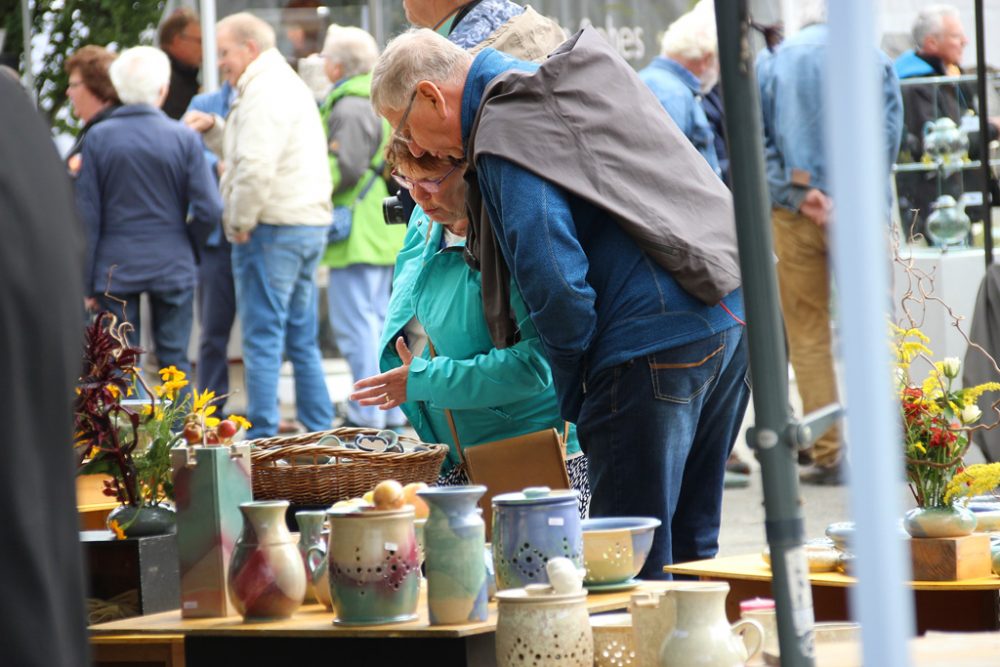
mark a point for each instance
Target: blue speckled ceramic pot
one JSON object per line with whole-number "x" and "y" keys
{"x": 529, "y": 528}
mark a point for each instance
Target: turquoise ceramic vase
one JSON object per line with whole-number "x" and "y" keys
{"x": 950, "y": 521}
{"x": 454, "y": 539}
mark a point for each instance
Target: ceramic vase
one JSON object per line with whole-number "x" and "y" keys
{"x": 950, "y": 521}
{"x": 311, "y": 535}
{"x": 454, "y": 539}
{"x": 538, "y": 627}
{"x": 531, "y": 527}
{"x": 374, "y": 567}
{"x": 267, "y": 579}
{"x": 144, "y": 521}
{"x": 701, "y": 635}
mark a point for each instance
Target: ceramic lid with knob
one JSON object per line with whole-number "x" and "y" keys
{"x": 539, "y": 594}
{"x": 535, "y": 495}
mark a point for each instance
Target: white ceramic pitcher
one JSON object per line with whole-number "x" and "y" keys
{"x": 696, "y": 633}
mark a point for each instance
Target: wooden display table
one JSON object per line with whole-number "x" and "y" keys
{"x": 311, "y": 638}
{"x": 92, "y": 505}
{"x": 958, "y": 606}
{"x": 935, "y": 649}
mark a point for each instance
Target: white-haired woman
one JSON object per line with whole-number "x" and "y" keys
{"x": 362, "y": 248}
{"x": 142, "y": 175}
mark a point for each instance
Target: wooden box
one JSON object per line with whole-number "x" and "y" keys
{"x": 147, "y": 565}
{"x": 950, "y": 558}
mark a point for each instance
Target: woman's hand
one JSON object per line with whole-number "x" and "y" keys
{"x": 386, "y": 390}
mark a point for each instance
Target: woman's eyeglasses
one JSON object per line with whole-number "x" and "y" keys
{"x": 430, "y": 185}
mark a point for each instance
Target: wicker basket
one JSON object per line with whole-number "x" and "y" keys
{"x": 302, "y": 480}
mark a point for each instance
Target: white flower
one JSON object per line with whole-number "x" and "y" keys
{"x": 951, "y": 366}
{"x": 971, "y": 414}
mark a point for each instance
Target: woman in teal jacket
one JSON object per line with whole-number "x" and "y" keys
{"x": 491, "y": 393}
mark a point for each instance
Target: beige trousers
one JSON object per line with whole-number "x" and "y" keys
{"x": 804, "y": 286}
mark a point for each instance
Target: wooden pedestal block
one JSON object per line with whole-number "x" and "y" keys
{"x": 950, "y": 558}
{"x": 148, "y": 565}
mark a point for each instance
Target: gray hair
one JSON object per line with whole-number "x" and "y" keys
{"x": 245, "y": 27}
{"x": 930, "y": 21}
{"x": 417, "y": 55}
{"x": 812, "y": 12}
{"x": 692, "y": 36}
{"x": 140, "y": 74}
{"x": 351, "y": 48}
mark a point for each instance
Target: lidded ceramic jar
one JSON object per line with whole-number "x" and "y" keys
{"x": 530, "y": 528}
{"x": 948, "y": 224}
{"x": 537, "y": 627}
{"x": 373, "y": 565}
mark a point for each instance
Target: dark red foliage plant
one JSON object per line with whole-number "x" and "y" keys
{"x": 106, "y": 432}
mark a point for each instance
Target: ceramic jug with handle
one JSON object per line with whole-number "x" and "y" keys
{"x": 701, "y": 635}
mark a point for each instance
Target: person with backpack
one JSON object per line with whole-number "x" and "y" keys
{"x": 361, "y": 250}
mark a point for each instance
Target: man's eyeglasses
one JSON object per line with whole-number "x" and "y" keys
{"x": 429, "y": 185}
{"x": 401, "y": 134}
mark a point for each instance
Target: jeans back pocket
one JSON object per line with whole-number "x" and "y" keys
{"x": 679, "y": 375}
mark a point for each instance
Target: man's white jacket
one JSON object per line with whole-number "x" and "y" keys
{"x": 274, "y": 150}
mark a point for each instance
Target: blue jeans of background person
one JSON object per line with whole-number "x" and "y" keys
{"x": 216, "y": 312}
{"x": 657, "y": 430}
{"x": 358, "y": 296}
{"x": 274, "y": 274}
{"x": 172, "y": 314}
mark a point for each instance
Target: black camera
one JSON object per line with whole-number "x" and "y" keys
{"x": 394, "y": 211}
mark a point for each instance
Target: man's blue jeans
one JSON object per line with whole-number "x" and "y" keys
{"x": 172, "y": 314}
{"x": 658, "y": 430}
{"x": 276, "y": 298}
{"x": 216, "y": 299}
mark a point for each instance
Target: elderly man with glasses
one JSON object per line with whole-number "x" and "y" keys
{"x": 629, "y": 272}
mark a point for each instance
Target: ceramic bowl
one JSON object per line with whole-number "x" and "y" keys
{"x": 615, "y": 548}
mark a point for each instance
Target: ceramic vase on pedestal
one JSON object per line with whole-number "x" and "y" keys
{"x": 454, "y": 539}
{"x": 311, "y": 535}
{"x": 946, "y": 521}
{"x": 267, "y": 578}
{"x": 374, "y": 566}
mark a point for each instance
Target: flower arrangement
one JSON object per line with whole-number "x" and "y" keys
{"x": 131, "y": 443}
{"x": 937, "y": 419}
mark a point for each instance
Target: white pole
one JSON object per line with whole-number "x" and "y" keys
{"x": 29, "y": 75}
{"x": 209, "y": 61}
{"x": 856, "y": 144}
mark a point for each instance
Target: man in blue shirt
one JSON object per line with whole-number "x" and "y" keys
{"x": 143, "y": 176}
{"x": 791, "y": 90}
{"x": 216, "y": 293}
{"x": 653, "y": 376}
{"x": 688, "y": 68}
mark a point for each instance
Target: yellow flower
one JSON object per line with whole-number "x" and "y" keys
{"x": 114, "y": 391}
{"x": 242, "y": 422}
{"x": 172, "y": 374}
{"x": 116, "y": 529}
{"x": 972, "y": 394}
{"x": 973, "y": 481}
{"x": 146, "y": 410}
{"x": 212, "y": 422}
{"x": 201, "y": 402}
